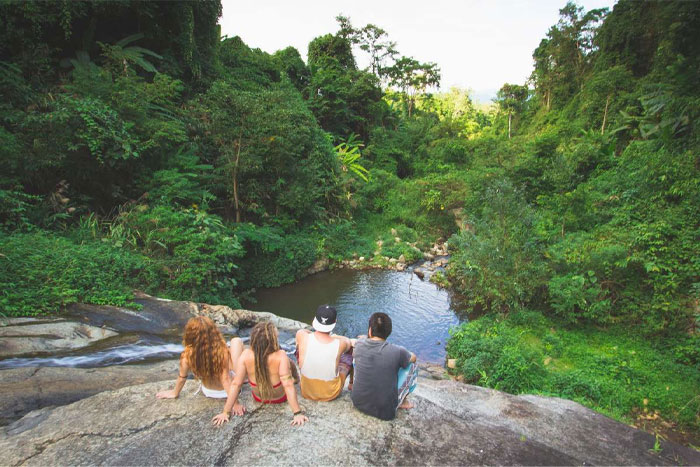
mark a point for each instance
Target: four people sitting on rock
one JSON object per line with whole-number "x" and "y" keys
{"x": 384, "y": 373}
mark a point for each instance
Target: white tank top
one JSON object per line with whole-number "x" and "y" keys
{"x": 320, "y": 359}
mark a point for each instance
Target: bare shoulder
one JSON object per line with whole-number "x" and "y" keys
{"x": 302, "y": 333}
{"x": 277, "y": 360}
{"x": 247, "y": 354}
{"x": 280, "y": 355}
{"x": 344, "y": 341}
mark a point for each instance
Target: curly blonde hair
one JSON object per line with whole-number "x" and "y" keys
{"x": 205, "y": 348}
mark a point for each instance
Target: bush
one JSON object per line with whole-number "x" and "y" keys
{"x": 341, "y": 240}
{"x": 491, "y": 353}
{"x": 615, "y": 371}
{"x": 576, "y": 296}
{"x": 15, "y": 208}
{"x": 498, "y": 266}
{"x": 451, "y": 150}
{"x": 191, "y": 255}
{"x": 395, "y": 250}
{"x": 41, "y": 272}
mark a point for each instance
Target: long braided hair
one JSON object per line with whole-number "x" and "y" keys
{"x": 205, "y": 348}
{"x": 263, "y": 342}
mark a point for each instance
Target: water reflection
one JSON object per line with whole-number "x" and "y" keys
{"x": 421, "y": 312}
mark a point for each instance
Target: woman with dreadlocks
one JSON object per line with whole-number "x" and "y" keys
{"x": 209, "y": 359}
{"x": 269, "y": 374}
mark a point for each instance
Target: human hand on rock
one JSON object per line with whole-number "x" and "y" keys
{"x": 220, "y": 419}
{"x": 299, "y": 419}
{"x": 167, "y": 394}
{"x": 238, "y": 409}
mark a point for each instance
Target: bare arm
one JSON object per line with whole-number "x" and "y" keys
{"x": 345, "y": 343}
{"x": 285, "y": 372}
{"x": 180, "y": 383}
{"x": 233, "y": 389}
{"x": 301, "y": 345}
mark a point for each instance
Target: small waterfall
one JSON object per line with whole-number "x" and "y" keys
{"x": 120, "y": 355}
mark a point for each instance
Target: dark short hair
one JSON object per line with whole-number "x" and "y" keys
{"x": 380, "y": 324}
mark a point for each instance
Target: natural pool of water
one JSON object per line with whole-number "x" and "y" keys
{"x": 421, "y": 312}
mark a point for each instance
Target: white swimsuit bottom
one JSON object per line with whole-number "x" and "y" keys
{"x": 214, "y": 393}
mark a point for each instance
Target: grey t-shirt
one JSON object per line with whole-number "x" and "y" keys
{"x": 377, "y": 364}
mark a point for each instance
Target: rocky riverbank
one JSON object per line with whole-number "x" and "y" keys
{"x": 23, "y": 390}
{"x": 84, "y": 325}
{"x": 427, "y": 262}
{"x": 451, "y": 424}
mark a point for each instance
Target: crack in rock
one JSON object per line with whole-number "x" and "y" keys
{"x": 240, "y": 430}
{"x": 42, "y": 447}
{"x": 132, "y": 431}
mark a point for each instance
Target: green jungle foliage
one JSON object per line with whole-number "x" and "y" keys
{"x": 616, "y": 372}
{"x": 140, "y": 149}
{"x": 40, "y": 272}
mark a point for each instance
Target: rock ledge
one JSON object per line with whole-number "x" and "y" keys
{"x": 451, "y": 424}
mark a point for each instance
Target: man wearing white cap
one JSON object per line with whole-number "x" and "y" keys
{"x": 325, "y": 360}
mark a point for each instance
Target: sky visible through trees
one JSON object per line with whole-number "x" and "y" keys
{"x": 478, "y": 44}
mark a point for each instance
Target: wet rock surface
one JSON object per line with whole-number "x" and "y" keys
{"x": 451, "y": 423}
{"x": 83, "y": 325}
{"x": 28, "y": 336}
{"x": 157, "y": 315}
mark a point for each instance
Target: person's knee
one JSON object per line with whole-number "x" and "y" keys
{"x": 236, "y": 342}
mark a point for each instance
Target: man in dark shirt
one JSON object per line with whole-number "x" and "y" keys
{"x": 384, "y": 373}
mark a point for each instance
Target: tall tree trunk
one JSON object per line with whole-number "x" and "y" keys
{"x": 510, "y": 116}
{"x": 235, "y": 181}
{"x": 549, "y": 94}
{"x": 605, "y": 115}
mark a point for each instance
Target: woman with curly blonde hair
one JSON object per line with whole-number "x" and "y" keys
{"x": 270, "y": 374}
{"x": 209, "y": 359}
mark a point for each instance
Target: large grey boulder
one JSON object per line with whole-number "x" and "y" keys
{"x": 25, "y": 389}
{"x": 161, "y": 316}
{"x": 24, "y": 336}
{"x": 82, "y": 325}
{"x": 451, "y": 424}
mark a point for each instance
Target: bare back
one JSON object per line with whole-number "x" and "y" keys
{"x": 215, "y": 383}
{"x": 274, "y": 361}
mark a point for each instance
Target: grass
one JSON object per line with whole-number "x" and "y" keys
{"x": 616, "y": 371}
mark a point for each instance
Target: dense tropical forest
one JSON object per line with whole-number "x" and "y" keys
{"x": 141, "y": 150}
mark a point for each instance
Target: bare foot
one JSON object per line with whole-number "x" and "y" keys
{"x": 406, "y": 404}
